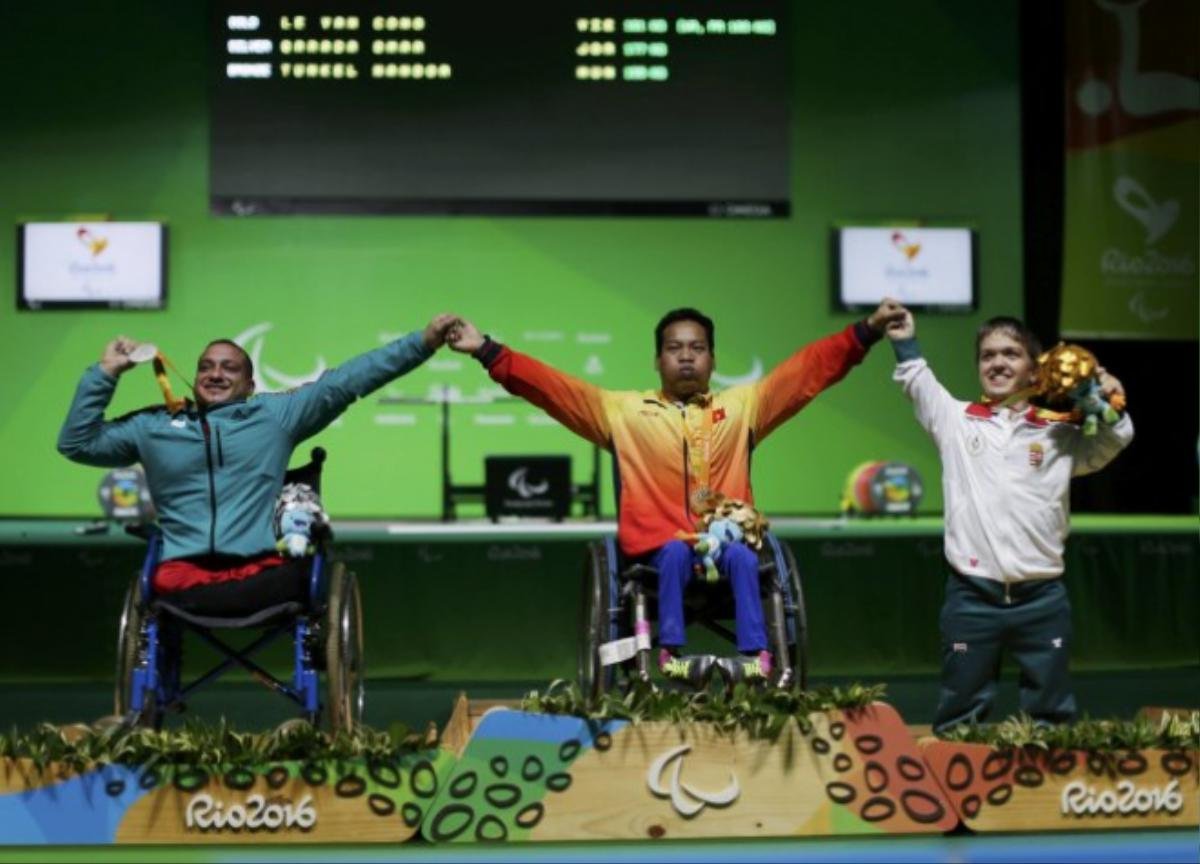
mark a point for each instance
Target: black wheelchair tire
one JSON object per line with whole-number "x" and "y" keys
{"x": 798, "y": 650}
{"x": 594, "y": 680}
{"x": 345, "y": 678}
{"x": 128, "y": 632}
{"x": 129, "y": 635}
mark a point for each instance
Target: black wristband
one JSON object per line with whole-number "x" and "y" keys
{"x": 866, "y": 334}
{"x": 487, "y": 352}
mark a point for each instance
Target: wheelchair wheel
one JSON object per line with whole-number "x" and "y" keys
{"x": 344, "y": 651}
{"x": 798, "y": 649}
{"x": 128, "y": 633}
{"x": 129, "y": 645}
{"x": 595, "y": 626}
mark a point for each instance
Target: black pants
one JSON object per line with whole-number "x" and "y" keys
{"x": 234, "y": 599}
{"x": 979, "y": 620}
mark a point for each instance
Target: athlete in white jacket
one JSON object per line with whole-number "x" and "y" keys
{"x": 1006, "y": 474}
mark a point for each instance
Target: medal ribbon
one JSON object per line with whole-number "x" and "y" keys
{"x": 174, "y": 403}
{"x": 697, "y": 426}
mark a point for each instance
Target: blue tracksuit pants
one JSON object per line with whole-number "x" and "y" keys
{"x": 676, "y": 562}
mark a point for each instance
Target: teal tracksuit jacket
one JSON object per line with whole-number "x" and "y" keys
{"x": 215, "y": 475}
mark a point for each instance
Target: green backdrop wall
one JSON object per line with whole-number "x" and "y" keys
{"x": 895, "y": 115}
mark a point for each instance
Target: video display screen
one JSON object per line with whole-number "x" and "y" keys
{"x": 930, "y": 268}
{"x": 637, "y": 108}
{"x": 91, "y": 264}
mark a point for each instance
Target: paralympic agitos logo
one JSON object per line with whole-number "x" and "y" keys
{"x": 518, "y": 481}
{"x": 267, "y": 378}
{"x": 687, "y": 800}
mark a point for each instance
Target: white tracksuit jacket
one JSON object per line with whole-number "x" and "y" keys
{"x": 1005, "y": 478}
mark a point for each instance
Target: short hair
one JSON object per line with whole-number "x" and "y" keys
{"x": 1014, "y": 327}
{"x": 245, "y": 356}
{"x": 685, "y": 314}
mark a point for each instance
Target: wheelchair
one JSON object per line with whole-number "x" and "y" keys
{"x": 326, "y": 633}
{"x": 616, "y": 647}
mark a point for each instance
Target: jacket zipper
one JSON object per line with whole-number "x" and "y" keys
{"x": 220, "y": 452}
{"x": 212, "y": 489}
{"x": 687, "y": 480}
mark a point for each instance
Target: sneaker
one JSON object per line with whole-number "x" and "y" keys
{"x": 760, "y": 667}
{"x": 756, "y": 669}
{"x": 691, "y": 670}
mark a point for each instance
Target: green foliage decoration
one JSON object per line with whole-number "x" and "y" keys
{"x": 1174, "y": 731}
{"x": 207, "y": 746}
{"x": 763, "y": 712}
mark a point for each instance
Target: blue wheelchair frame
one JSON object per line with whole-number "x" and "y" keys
{"x": 629, "y": 585}
{"x": 155, "y": 679}
{"x": 160, "y": 674}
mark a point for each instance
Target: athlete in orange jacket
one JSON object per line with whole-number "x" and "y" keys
{"x": 676, "y": 445}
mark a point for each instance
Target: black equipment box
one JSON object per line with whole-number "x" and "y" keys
{"x": 536, "y": 486}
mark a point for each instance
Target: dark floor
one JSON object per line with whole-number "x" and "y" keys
{"x": 416, "y": 703}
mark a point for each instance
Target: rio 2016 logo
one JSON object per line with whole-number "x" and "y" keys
{"x": 904, "y": 246}
{"x": 1079, "y": 799}
{"x": 257, "y": 814}
{"x": 94, "y": 243}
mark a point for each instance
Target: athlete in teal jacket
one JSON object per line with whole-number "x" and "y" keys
{"x": 215, "y": 469}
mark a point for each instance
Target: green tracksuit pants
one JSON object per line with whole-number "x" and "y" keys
{"x": 980, "y": 619}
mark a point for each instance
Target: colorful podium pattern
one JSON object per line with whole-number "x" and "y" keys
{"x": 535, "y": 777}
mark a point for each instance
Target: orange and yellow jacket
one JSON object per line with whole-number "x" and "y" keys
{"x": 670, "y": 456}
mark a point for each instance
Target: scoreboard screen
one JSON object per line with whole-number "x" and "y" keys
{"x": 605, "y": 107}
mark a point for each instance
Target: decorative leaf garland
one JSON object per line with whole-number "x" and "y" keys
{"x": 215, "y": 746}
{"x": 763, "y": 712}
{"x": 1179, "y": 731}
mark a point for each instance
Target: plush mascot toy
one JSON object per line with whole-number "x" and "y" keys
{"x": 725, "y": 521}
{"x": 1068, "y": 379}
{"x": 719, "y": 533}
{"x": 298, "y": 516}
